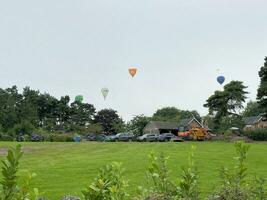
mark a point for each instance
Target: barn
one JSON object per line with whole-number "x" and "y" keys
{"x": 158, "y": 127}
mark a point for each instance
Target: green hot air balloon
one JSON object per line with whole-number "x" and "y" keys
{"x": 79, "y": 98}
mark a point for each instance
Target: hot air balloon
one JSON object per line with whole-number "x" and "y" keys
{"x": 79, "y": 98}
{"x": 132, "y": 71}
{"x": 104, "y": 92}
{"x": 220, "y": 79}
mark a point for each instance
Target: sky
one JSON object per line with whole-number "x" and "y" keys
{"x": 179, "y": 47}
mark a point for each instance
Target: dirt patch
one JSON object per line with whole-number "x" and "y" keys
{"x": 25, "y": 150}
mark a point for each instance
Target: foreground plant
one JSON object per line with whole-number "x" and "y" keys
{"x": 235, "y": 184}
{"x": 10, "y": 190}
{"x": 189, "y": 183}
{"x": 109, "y": 185}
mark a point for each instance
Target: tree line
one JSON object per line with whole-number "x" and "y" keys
{"x": 31, "y": 110}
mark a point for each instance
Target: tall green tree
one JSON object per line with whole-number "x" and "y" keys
{"x": 81, "y": 113}
{"x": 252, "y": 109}
{"x": 108, "y": 119}
{"x": 137, "y": 124}
{"x": 227, "y": 102}
{"x": 173, "y": 114}
{"x": 262, "y": 90}
{"x": 9, "y": 107}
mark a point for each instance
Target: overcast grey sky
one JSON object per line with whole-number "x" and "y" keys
{"x": 78, "y": 47}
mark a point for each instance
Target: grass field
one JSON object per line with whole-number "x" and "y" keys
{"x": 66, "y": 168}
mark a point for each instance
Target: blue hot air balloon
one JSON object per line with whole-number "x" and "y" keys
{"x": 220, "y": 79}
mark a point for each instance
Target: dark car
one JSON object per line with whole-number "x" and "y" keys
{"x": 124, "y": 137}
{"x": 148, "y": 138}
{"x": 37, "y": 138}
{"x": 165, "y": 137}
{"x": 96, "y": 137}
{"x": 111, "y": 138}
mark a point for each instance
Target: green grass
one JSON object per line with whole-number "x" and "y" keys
{"x": 66, "y": 168}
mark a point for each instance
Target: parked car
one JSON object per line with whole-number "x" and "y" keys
{"x": 164, "y": 137}
{"x": 96, "y": 137}
{"x": 111, "y": 138}
{"x": 37, "y": 138}
{"x": 148, "y": 138}
{"x": 125, "y": 137}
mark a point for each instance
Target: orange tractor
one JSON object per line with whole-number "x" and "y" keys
{"x": 199, "y": 134}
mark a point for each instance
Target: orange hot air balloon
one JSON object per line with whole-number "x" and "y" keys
{"x": 132, "y": 71}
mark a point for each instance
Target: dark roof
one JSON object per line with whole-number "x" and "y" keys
{"x": 173, "y": 125}
{"x": 252, "y": 120}
{"x": 164, "y": 125}
{"x": 186, "y": 122}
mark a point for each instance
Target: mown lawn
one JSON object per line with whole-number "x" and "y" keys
{"x": 66, "y": 168}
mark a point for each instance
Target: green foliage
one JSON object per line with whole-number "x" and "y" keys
{"x": 9, "y": 172}
{"x": 109, "y": 185}
{"x": 262, "y": 90}
{"x": 61, "y": 138}
{"x": 25, "y": 127}
{"x": 189, "y": 184}
{"x": 10, "y": 189}
{"x": 108, "y": 119}
{"x": 137, "y": 124}
{"x": 252, "y": 109}
{"x": 174, "y": 115}
{"x": 30, "y": 110}
{"x": 26, "y": 192}
{"x": 227, "y": 102}
{"x": 158, "y": 176}
{"x": 234, "y": 182}
{"x": 231, "y": 121}
{"x": 257, "y": 135}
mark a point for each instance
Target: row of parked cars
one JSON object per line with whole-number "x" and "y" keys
{"x": 128, "y": 137}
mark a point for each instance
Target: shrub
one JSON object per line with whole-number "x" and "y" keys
{"x": 109, "y": 185}
{"x": 61, "y": 138}
{"x": 6, "y": 137}
{"x": 10, "y": 190}
{"x": 234, "y": 182}
{"x": 189, "y": 184}
{"x": 158, "y": 176}
{"x": 258, "y": 135}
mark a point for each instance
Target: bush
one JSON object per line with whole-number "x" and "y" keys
{"x": 258, "y": 135}
{"x": 109, "y": 185}
{"x": 10, "y": 189}
{"x": 234, "y": 182}
{"x": 61, "y": 138}
{"x": 6, "y": 137}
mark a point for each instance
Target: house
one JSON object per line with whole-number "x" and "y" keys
{"x": 158, "y": 127}
{"x": 186, "y": 124}
{"x": 255, "y": 122}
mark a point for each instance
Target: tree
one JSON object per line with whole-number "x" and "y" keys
{"x": 108, "y": 119}
{"x": 28, "y": 106}
{"x": 167, "y": 114}
{"x": 9, "y": 107}
{"x": 227, "y": 102}
{"x": 173, "y": 114}
{"x": 252, "y": 109}
{"x": 137, "y": 124}
{"x": 81, "y": 114}
{"x": 262, "y": 90}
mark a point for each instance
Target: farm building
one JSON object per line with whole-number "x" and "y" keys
{"x": 158, "y": 127}
{"x": 255, "y": 122}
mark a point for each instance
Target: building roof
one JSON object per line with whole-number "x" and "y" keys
{"x": 172, "y": 125}
{"x": 252, "y": 120}
{"x": 187, "y": 121}
{"x": 163, "y": 125}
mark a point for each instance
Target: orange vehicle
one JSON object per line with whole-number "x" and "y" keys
{"x": 195, "y": 134}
